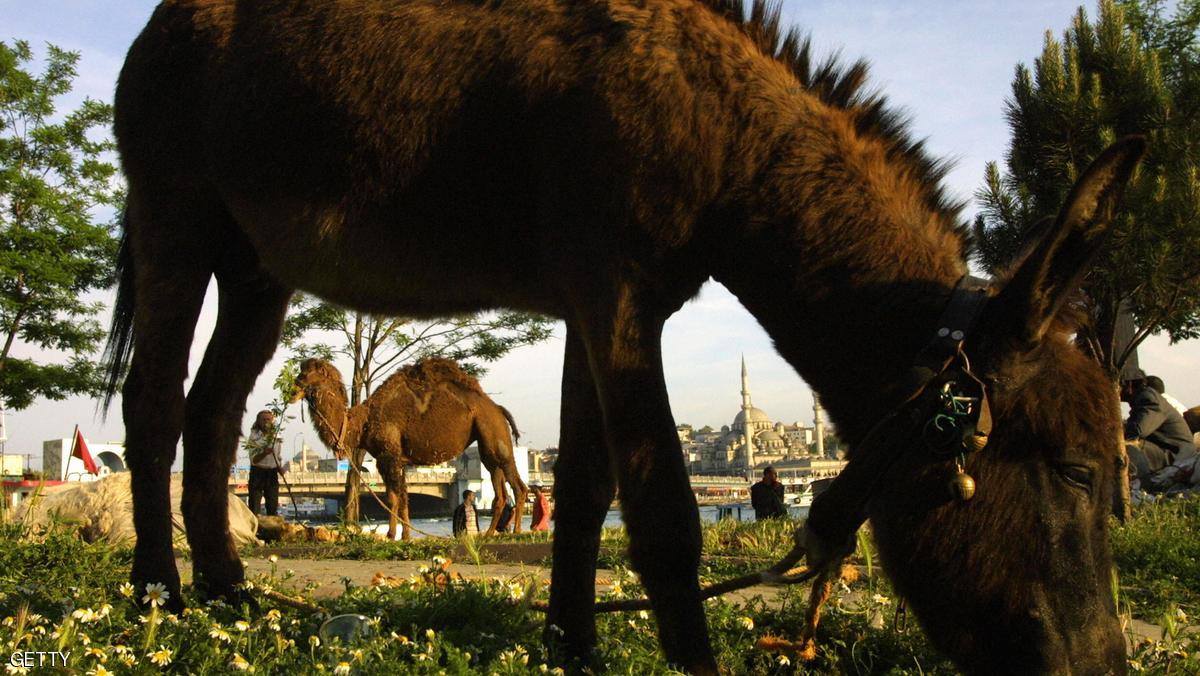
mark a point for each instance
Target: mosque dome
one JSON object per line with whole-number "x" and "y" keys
{"x": 770, "y": 440}
{"x": 756, "y": 415}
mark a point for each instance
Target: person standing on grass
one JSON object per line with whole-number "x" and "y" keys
{"x": 766, "y": 497}
{"x": 506, "y": 514}
{"x": 264, "y": 464}
{"x": 540, "y": 518}
{"x": 465, "y": 518}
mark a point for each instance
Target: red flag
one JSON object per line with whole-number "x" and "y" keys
{"x": 79, "y": 450}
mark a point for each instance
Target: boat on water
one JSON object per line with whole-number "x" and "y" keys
{"x": 304, "y": 509}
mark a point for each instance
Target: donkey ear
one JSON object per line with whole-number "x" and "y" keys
{"x": 1057, "y": 260}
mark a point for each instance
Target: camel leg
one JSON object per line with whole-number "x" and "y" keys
{"x": 494, "y": 437}
{"x": 402, "y": 507}
{"x": 170, "y": 284}
{"x": 499, "y": 501}
{"x": 397, "y": 491}
{"x": 249, "y": 318}
{"x": 657, "y": 503}
{"x": 584, "y": 487}
{"x": 520, "y": 491}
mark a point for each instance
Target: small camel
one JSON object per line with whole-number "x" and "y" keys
{"x": 424, "y": 414}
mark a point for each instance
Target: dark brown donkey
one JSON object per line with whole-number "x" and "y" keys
{"x": 599, "y": 161}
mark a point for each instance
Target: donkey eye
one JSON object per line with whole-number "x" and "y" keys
{"x": 1078, "y": 475}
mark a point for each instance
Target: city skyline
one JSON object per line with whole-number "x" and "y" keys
{"x": 948, "y": 66}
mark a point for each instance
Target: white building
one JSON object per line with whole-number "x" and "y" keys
{"x": 59, "y": 465}
{"x": 472, "y": 475}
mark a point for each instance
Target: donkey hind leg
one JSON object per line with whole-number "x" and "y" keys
{"x": 249, "y": 319}
{"x": 584, "y": 488}
{"x": 656, "y": 496}
{"x": 169, "y": 293}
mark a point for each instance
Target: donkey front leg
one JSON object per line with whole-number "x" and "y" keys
{"x": 584, "y": 488}
{"x": 249, "y": 318}
{"x": 657, "y": 502}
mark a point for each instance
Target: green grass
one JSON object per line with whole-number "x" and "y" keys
{"x": 359, "y": 547}
{"x": 59, "y": 593}
{"x": 1158, "y": 557}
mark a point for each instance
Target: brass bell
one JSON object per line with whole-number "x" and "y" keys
{"x": 962, "y": 486}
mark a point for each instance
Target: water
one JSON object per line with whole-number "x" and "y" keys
{"x": 442, "y": 526}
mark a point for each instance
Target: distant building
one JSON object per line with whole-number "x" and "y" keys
{"x": 751, "y": 440}
{"x": 59, "y": 465}
{"x": 543, "y": 460}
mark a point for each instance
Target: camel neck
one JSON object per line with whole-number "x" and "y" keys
{"x": 328, "y": 405}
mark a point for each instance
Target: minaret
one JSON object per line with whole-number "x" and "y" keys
{"x": 747, "y": 443}
{"x": 818, "y": 426}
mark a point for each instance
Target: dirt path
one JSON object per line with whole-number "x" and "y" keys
{"x": 332, "y": 575}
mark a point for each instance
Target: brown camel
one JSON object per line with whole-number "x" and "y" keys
{"x": 424, "y": 414}
{"x": 598, "y": 161}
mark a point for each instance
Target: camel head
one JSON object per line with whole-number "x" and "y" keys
{"x": 314, "y": 375}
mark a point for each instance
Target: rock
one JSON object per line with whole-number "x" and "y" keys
{"x": 271, "y": 528}
{"x": 103, "y": 510}
{"x": 323, "y": 534}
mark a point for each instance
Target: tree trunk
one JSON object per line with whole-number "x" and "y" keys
{"x": 1123, "y": 497}
{"x": 353, "y": 483}
{"x": 351, "y": 512}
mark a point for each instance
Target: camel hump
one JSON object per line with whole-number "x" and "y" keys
{"x": 432, "y": 370}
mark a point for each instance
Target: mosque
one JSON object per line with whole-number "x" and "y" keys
{"x": 752, "y": 440}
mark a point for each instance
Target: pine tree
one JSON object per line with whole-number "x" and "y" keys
{"x": 1101, "y": 82}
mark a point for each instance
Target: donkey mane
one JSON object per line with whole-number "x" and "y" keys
{"x": 846, "y": 87}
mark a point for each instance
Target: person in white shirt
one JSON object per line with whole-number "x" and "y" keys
{"x": 264, "y": 464}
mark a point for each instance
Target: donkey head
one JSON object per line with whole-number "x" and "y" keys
{"x": 1019, "y": 578}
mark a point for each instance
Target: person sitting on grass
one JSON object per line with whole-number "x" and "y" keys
{"x": 1158, "y": 441}
{"x": 465, "y": 518}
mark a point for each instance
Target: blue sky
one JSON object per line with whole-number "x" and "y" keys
{"x": 949, "y": 64}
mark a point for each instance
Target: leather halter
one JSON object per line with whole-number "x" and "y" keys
{"x": 940, "y": 376}
{"x": 943, "y": 361}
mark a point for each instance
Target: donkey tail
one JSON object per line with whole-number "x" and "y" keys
{"x": 511, "y": 423}
{"x": 119, "y": 349}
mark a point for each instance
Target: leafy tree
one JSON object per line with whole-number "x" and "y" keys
{"x": 54, "y": 249}
{"x": 377, "y": 345}
{"x": 1101, "y": 82}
